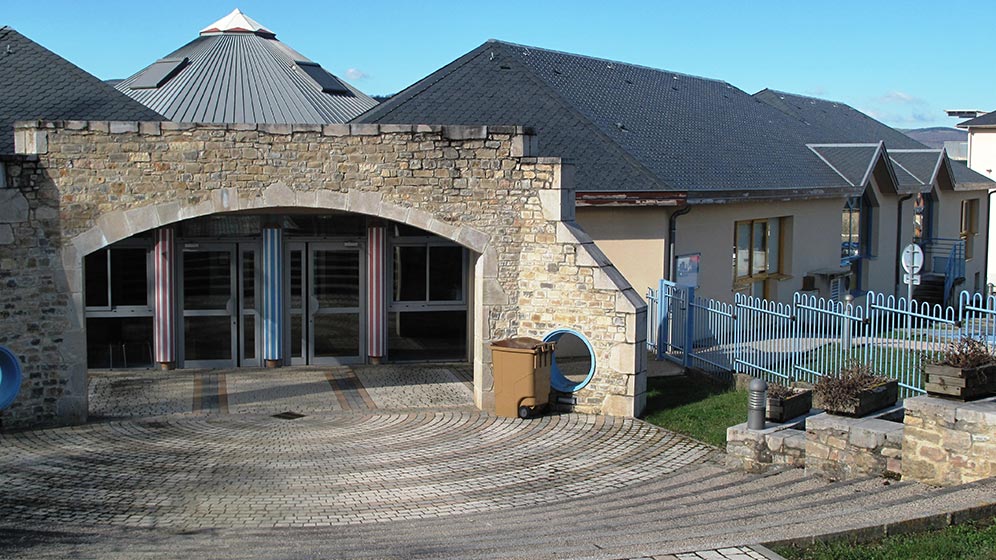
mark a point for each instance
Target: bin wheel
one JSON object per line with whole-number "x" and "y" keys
{"x": 525, "y": 412}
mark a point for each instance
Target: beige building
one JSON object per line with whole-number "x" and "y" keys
{"x": 982, "y": 160}
{"x": 694, "y": 180}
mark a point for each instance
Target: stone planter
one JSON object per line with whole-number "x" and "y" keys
{"x": 865, "y": 402}
{"x": 963, "y": 384}
{"x": 783, "y": 409}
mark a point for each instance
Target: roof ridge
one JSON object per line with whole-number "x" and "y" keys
{"x": 409, "y": 92}
{"x": 627, "y": 156}
{"x": 609, "y": 60}
{"x": 811, "y": 97}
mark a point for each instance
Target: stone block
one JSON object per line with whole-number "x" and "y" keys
{"x": 13, "y": 207}
{"x": 472, "y": 239}
{"x": 465, "y": 132}
{"x": 525, "y": 145}
{"x": 279, "y": 195}
{"x": 619, "y": 405}
{"x": 6, "y": 234}
{"x": 143, "y": 218}
{"x": 276, "y": 129}
{"x": 123, "y": 127}
{"x": 150, "y": 128}
{"x": 30, "y": 141}
{"x": 335, "y": 130}
{"x": 332, "y": 200}
{"x": 397, "y": 128}
{"x": 364, "y": 129}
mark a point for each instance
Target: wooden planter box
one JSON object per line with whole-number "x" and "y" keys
{"x": 783, "y": 409}
{"x": 962, "y": 384}
{"x": 869, "y": 400}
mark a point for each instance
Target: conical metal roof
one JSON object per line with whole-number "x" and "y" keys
{"x": 236, "y": 71}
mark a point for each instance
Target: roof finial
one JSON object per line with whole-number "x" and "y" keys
{"x": 237, "y": 22}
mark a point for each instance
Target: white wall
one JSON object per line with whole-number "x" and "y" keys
{"x": 982, "y": 159}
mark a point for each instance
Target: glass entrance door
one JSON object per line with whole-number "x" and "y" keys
{"x": 220, "y": 283}
{"x": 210, "y": 323}
{"x": 326, "y": 302}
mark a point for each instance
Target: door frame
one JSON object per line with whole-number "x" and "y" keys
{"x": 230, "y": 307}
{"x": 308, "y": 311}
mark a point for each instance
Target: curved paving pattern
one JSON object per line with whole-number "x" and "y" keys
{"x": 340, "y": 469}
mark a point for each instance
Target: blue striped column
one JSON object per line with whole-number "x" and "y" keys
{"x": 273, "y": 296}
{"x": 376, "y": 314}
{"x": 164, "y": 310}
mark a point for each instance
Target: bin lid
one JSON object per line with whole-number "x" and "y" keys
{"x": 521, "y": 343}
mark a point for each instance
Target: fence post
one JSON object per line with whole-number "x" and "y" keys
{"x": 846, "y": 329}
{"x": 689, "y": 326}
{"x": 662, "y": 313}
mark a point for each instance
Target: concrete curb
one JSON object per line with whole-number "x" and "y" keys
{"x": 912, "y": 525}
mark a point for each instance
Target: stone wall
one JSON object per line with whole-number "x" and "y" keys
{"x": 757, "y": 451}
{"x": 95, "y": 183}
{"x": 839, "y": 448}
{"x": 949, "y": 442}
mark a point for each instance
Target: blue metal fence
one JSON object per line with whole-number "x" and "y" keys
{"x": 811, "y": 337}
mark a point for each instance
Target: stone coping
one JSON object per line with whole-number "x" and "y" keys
{"x": 978, "y": 411}
{"x": 451, "y": 131}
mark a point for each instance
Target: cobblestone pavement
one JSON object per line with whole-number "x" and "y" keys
{"x": 130, "y": 393}
{"x": 355, "y": 478}
{"x": 321, "y": 470}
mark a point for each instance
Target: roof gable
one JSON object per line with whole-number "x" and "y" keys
{"x": 39, "y": 84}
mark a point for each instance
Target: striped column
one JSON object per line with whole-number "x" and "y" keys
{"x": 273, "y": 296}
{"x": 164, "y": 312}
{"x": 376, "y": 271}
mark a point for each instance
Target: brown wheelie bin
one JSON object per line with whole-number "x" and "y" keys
{"x": 522, "y": 376}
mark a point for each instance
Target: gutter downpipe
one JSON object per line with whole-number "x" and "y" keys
{"x": 899, "y": 234}
{"x": 672, "y": 229}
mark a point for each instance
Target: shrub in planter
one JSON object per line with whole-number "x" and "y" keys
{"x": 786, "y": 403}
{"x": 855, "y": 391}
{"x": 965, "y": 371}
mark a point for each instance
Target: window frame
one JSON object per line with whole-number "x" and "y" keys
{"x": 111, "y": 310}
{"x": 428, "y": 242}
{"x": 742, "y": 282}
{"x": 969, "y": 225}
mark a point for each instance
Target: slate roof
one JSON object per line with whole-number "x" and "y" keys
{"x": 39, "y": 84}
{"x": 243, "y": 75}
{"x": 914, "y": 165}
{"x": 989, "y": 119}
{"x": 625, "y": 127}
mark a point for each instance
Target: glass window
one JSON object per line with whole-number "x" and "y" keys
{"x": 409, "y": 273}
{"x": 96, "y": 288}
{"x": 756, "y": 248}
{"x": 445, "y": 273}
{"x": 850, "y": 230}
{"x": 742, "y": 249}
{"x": 969, "y": 224}
{"x": 117, "y": 277}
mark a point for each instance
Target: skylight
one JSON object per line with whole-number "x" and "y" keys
{"x": 327, "y": 82}
{"x": 160, "y": 72}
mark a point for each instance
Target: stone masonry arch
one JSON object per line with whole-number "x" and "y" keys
{"x": 534, "y": 269}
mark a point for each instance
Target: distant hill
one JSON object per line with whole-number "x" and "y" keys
{"x": 935, "y": 137}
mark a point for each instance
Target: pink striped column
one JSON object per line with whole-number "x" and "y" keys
{"x": 164, "y": 314}
{"x": 376, "y": 271}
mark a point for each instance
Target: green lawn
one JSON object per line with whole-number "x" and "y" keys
{"x": 695, "y": 406}
{"x": 964, "y": 542}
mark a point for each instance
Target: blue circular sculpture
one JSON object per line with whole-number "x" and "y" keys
{"x": 557, "y": 379}
{"x": 10, "y": 377}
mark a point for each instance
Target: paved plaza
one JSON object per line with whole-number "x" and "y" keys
{"x": 336, "y": 463}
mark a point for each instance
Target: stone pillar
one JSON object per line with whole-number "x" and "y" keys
{"x": 376, "y": 300}
{"x": 164, "y": 324}
{"x": 273, "y": 297}
{"x": 947, "y": 442}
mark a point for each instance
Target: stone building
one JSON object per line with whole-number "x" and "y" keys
{"x": 227, "y": 244}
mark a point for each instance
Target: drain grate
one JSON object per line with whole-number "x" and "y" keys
{"x": 288, "y": 415}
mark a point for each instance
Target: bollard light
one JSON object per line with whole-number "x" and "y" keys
{"x": 757, "y": 398}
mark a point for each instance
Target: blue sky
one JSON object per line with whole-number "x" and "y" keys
{"x": 901, "y": 62}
